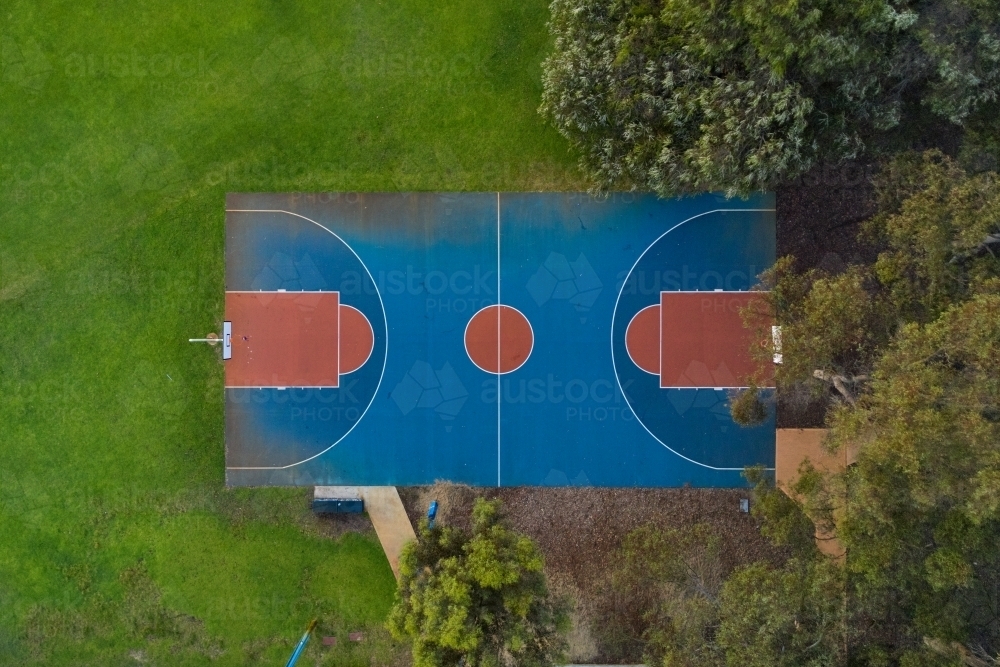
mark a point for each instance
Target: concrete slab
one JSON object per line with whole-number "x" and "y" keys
{"x": 384, "y": 507}
{"x": 792, "y": 447}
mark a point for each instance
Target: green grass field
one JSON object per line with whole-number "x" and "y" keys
{"x": 124, "y": 125}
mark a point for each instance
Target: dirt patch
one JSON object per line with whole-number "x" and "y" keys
{"x": 580, "y": 530}
{"x": 820, "y": 213}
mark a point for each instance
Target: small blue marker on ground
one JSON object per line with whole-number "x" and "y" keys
{"x": 301, "y": 646}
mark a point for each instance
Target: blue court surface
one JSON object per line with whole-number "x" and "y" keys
{"x": 368, "y": 347}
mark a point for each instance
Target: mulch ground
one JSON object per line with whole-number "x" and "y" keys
{"x": 820, "y": 213}
{"x": 819, "y": 217}
{"x": 580, "y": 532}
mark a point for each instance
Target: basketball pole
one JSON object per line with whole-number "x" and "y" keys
{"x": 213, "y": 339}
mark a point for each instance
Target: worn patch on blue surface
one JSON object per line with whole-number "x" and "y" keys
{"x": 577, "y": 411}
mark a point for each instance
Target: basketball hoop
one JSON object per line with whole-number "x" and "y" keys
{"x": 213, "y": 339}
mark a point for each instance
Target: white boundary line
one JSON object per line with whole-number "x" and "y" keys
{"x": 281, "y": 388}
{"x": 276, "y": 386}
{"x": 530, "y": 329}
{"x": 713, "y": 389}
{"x": 385, "y": 320}
{"x": 339, "y": 313}
{"x": 339, "y": 371}
{"x": 629, "y": 352}
{"x": 614, "y": 313}
{"x": 499, "y": 314}
{"x": 370, "y": 352}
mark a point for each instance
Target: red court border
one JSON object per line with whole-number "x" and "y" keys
{"x": 279, "y": 344}
{"x": 286, "y": 340}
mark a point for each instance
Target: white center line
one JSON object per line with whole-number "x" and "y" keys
{"x": 499, "y": 311}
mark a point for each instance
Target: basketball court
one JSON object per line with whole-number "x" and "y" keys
{"x": 490, "y": 338}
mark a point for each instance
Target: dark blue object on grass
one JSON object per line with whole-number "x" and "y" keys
{"x": 338, "y": 505}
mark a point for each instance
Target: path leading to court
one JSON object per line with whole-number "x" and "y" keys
{"x": 795, "y": 445}
{"x": 386, "y": 512}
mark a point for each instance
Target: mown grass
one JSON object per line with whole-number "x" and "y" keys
{"x": 123, "y": 126}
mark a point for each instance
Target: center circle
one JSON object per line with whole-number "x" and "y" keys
{"x": 499, "y": 339}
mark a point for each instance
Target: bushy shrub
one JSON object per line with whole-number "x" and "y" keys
{"x": 480, "y": 599}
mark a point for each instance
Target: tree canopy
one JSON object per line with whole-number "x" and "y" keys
{"x": 914, "y": 343}
{"x": 939, "y": 231}
{"x": 478, "y": 598}
{"x": 697, "y": 614}
{"x": 738, "y": 95}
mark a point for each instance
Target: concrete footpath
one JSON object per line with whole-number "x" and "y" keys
{"x": 386, "y": 511}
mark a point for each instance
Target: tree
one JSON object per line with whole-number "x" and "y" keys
{"x": 696, "y": 614}
{"x": 477, "y": 599}
{"x": 922, "y": 519}
{"x": 915, "y": 342}
{"x": 680, "y": 96}
{"x": 672, "y": 579}
{"x": 938, "y": 229}
{"x": 789, "y": 616}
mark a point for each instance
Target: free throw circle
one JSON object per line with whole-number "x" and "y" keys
{"x": 642, "y": 339}
{"x": 499, "y": 339}
{"x": 357, "y": 339}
